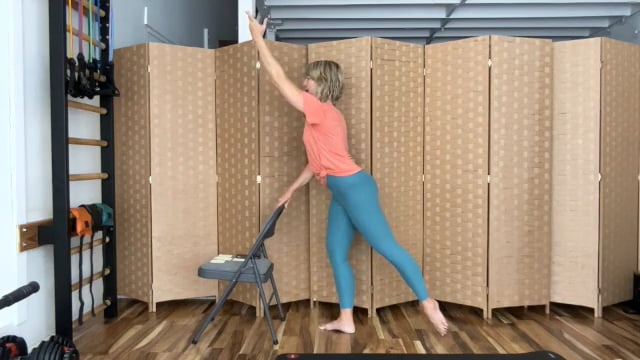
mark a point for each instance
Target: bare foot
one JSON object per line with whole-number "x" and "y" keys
{"x": 432, "y": 310}
{"x": 339, "y": 325}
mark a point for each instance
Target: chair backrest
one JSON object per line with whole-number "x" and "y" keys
{"x": 268, "y": 230}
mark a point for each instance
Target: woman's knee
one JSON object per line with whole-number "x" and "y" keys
{"x": 393, "y": 253}
{"x": 338, "y": 259}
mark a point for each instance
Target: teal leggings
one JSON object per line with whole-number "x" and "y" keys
{"x": 355, "y": 207}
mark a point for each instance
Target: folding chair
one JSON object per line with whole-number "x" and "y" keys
{"x": 254, "y": 268}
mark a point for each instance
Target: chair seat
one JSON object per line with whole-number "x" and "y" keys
{"x": 226, "y": 270}
{"x": 258, "y": 270}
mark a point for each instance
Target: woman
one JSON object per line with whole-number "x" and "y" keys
{"x": 354, "y": 203}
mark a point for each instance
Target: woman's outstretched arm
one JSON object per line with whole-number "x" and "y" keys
{"x": 291, "y": 92}
{"x": 302, "y": 180}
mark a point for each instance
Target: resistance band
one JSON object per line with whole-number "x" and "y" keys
{"x": 98, "y": 23}
{"x": 91, "y": 65}
{"x": 82, "y": 82}
{"x": 70, "y": 22}
{"x": 80, "y": 26}
{"x": 70, "y": 80}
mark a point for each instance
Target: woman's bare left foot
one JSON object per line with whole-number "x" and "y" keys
{"x": 432, "y": 310}
{"x": 339, "y": 325}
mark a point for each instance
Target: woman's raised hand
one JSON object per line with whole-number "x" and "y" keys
{"x": 257, "y": 30}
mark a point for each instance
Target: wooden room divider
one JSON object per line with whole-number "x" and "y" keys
{"x": 282, "y": 158}
{"x": 165, "y": 171}
{"x": 382, "y": 104}
{"x": 488, "y": 172}
{"x": 458, "y": 136}
{"x": 260, "y": 154}
{"x": 456, "y": 148}
{"x": 595, "y": 172}
{"x": 397, "y": 127}
{"x": 182, "y": 199}
{"x": 238, "y": 154}
{"x": 355, "y": 58}
{"x": 520, "y": 170}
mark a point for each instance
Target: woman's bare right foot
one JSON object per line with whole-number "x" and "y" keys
{"x": 347, "y": 327}
{"x": 344, "y": 323}
{"x": 432, "y": 310}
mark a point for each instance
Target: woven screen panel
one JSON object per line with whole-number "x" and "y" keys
{"x": 183, "y": 170}
{"x": 619, "y": 169}
{"x": 520, "y": 169}
{"x": 576, "y": 161}
{"x": 354, "y": 56}
{"x": 397, "y": 157}
{"x": 282, "y": 158}
{"x": 456, "y": 154}
{"x": 236, "y": 97}
{"x": 132, "y": 170}
{"x": 637, "y": 54}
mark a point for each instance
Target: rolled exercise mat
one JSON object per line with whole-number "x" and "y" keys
{"x": 535, "y": 355}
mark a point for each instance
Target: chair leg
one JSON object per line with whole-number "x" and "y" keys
{"x": 275, "y": 292}
{"x": 267, "y": 315}
{"x": 212, "y": 314}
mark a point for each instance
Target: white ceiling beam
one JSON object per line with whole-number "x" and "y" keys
{"x": 479, "y": 11}
{"x": 551, "y": 1}
{"x": 291, "y": 24}
{"x": 452, "y": 33}
{"x": 349, "y": 33}
{"x": 306, "y": 41}
{"x": 514, "y": 32}
{"x": 424, "y": 19}
{"x": 466, "y": 11}
{"x": 445, "y": 39}
{"x": 273, "y": 3}
{"x": 360, "y": 12}
{"x": 590, "y": 22}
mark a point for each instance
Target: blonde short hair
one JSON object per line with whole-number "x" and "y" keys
{"x": 328, "y": 77}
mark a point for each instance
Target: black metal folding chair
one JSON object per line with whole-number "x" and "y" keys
{"x": 254, "y": 268}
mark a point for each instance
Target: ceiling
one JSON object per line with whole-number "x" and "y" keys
{"x": 432, "y": 21}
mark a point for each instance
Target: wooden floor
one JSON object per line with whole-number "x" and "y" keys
{"x": 238, "y": 334}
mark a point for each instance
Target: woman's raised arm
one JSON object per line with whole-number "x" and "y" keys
{"x": 291, "y": 92}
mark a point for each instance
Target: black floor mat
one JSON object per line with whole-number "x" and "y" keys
{"x": 536, "y": 355}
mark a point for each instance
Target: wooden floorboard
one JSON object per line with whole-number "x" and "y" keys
{"x": 237, "y": 334}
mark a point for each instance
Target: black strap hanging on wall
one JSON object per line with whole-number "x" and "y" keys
{"x": 96, "y": 225}
{"x": 83, "y": 228}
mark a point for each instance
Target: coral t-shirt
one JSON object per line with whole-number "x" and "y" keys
{"x": 325, "y": 140}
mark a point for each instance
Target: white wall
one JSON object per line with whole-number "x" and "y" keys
{"x": 25, "y": 139}
{"x": 25, "y": 164}
{"x": 176, "y": 22}
{"x": 129, "y": 26}
{"x": 8, "y": 259}
{"x": 243, "y": 20}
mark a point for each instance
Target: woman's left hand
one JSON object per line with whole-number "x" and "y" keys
{"x": 257, "y": 30}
